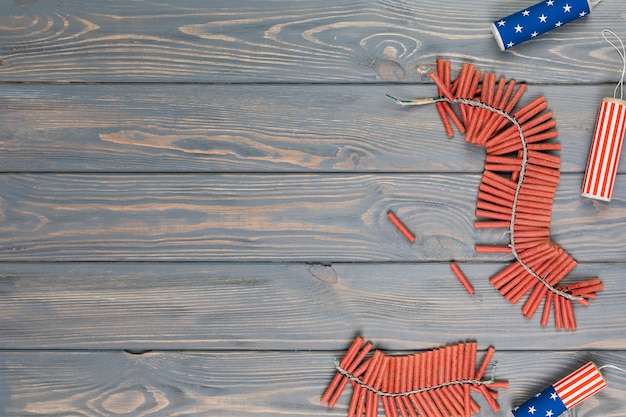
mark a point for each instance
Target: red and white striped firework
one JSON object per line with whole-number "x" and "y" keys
{"x": 564, "y": 395}
{"x": 580, "y": 385}
{"x": 605, "y": 150}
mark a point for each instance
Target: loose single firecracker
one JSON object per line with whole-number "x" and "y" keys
{"x": 410, "y": 236}
{"x": 433, "y": 383}
{"x": 462, "y": 278}
{"x": 536, "y": 20}
{"x": 565, "y": 394}
{"x": 606, "y": 148}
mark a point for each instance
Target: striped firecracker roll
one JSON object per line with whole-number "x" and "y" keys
{"x": 565, "y": 394}
{"x": 606, "y": 148}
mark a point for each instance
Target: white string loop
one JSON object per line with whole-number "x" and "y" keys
{"x": 621, "y": 50}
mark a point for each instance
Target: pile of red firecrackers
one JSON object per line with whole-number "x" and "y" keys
{"x": 517, "y": 188}
{"x": 433, "y": 383}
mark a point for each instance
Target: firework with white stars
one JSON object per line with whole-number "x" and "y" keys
{"x": 536, "y": 20}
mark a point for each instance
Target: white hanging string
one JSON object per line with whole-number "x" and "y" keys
{"x": 617, "y": 368}
{"x": 622, "y": 53}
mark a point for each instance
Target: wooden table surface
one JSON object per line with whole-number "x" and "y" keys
{"x": 193, "y": 202}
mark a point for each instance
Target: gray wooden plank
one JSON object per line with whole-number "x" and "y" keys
{"x": 263, "y": 128}
{"x": 232, "y": 306}
{"x": 248, "y": 383}
{"x": 310, "y": 218}
{"x": 295, "y": 41}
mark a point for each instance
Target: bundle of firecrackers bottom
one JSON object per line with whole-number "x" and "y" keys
{"x": 439, "y": 383}
{"x": 433, "y": 383}
{"x": 517, "y": 188}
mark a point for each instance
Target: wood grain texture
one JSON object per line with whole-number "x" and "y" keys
{"x": 260, "y": 384}
{"x": 318, "y": 218}
{"x": 243, "y": 307}
{"x": 193, "y": 202}
{"x": 287, "y": 41}
{"x": 261, "y": 128}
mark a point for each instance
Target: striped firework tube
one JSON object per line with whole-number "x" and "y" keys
{"x": 565, "y": 394}
{"x": 606, "y": 148}
{"x": 580, "y": 385}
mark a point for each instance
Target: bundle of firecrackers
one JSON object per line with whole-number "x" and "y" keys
{"x": 441, "y": 383}
{"x": 517, "y": 188}
{"x": 433, "y": 383}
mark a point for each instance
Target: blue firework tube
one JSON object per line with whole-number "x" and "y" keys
{"x": 536, "y": 20}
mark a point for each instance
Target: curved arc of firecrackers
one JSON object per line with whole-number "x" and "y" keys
{"x": 520, "y": 181}
{"x": 573, "y": 292}
{"x": 522, "y": 172}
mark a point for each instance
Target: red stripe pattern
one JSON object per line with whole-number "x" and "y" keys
{"x": 605, "y": 150}
{"x": 580, "y": 385}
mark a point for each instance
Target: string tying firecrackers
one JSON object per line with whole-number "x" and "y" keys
{"x": 426, "y": 384}
{"x": 415, "y": 391}
{"x": 517, "y": 187}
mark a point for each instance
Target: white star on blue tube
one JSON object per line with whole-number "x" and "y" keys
{"x": 554, "y": 396}
{"x": 549, "y": 413}
{"x": 550, "y": 14}
{"x": 532, "y": 410}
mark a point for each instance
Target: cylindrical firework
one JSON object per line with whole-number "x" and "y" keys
{"x": 536, "y": 20}
{"x": 606, "y": 148}
{"x": 565, "y": 394}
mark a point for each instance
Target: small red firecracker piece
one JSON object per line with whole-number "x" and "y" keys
{"x": 426, "y": 384}
{"x": 517, "y": 187}
{"x": 565, "y": 394}
{"x": 461, "y": 276}
{"x": 401, "y": 226}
